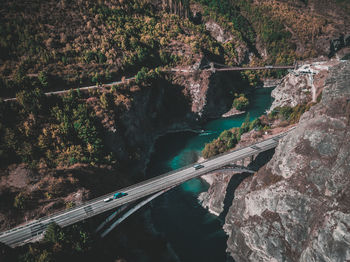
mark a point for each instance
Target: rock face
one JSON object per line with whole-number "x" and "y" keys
{"x": 213, "y": 200}
{"x": 219, "y": 189}
{"x": 297, "y": 208}
{"x": 302, "y": 85}
{"x": 224, "y": 36}
{"x": 210, "y": 94}
{"x": 217, "y": 32}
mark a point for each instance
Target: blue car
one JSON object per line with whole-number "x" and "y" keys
{"x": 115, "y": 196}
{"x": 119, "y": 195}
{"x": 198, "y": 166}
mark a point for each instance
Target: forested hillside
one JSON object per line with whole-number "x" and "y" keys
{"x": 55, "y": 44}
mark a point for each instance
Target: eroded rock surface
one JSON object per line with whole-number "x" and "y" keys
{"x": 214, "y": 198}
{"x": 222, "y": 35}
{"x": 302, "y": 85}
{"x": 297, "y": 208}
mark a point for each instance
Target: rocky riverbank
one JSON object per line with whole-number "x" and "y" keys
{"x": 233, "y": 112}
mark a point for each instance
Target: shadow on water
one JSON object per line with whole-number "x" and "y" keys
{"x": 166, "y": 149}
{"x": 194, "y": 233}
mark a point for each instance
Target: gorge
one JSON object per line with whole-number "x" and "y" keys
{"x": 59, "y": 151}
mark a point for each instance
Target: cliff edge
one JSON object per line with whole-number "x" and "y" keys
{"x": 297, "y": 207}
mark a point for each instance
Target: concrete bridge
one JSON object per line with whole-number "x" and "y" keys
{"x": 154, "y": 186}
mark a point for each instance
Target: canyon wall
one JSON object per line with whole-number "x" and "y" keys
{"x": 296, "y": 208}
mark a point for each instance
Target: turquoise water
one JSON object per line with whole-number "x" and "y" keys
{"x": 194, "y": 233}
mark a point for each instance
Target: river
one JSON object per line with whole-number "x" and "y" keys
{"x": 194, "y": 233}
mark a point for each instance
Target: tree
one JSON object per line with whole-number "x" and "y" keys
{"x": 285, "y": 112}
{"x": 240, "y": 103}
{"x": 256, "y": 123}
{"x": 54, "y": 234}
{"x": 141, "y": 75}
{"x": 45, "y": 256}
{"x": 32, "y": 101}
{"x": 20, "y": 201}
{"x": 89, "y": 56}
{"x": 96, "y": 78}
{"x": 106, "y": 100}
{"x": 101, "y": 57}
{"x": 43, "y": 78}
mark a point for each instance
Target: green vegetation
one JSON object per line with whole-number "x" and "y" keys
{"x": 228, "y": 139}
{"x": 146, "y": 75}
{"x": 52, "y": 131}
{"x": 249, "y": 21}
{"x": 58, "y": 245}
{"x": 241, "y": 102}
{"x": 20, "y": 201}
{"x": 85, "y": 42}
{"x": 229, "y": 11}
{"x": 289, "y": 114}
{"x": 105, "y": 40}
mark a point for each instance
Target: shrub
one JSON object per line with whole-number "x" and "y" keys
{"x": 43, "y": 78}
{"x": 285, "y": 112}
{"x": 70, "y": 204}
{"x": 256, "y": 124}
{"x": 240, "y": 103}
{"x": 20, "y": 200}
{"x": 106, "y": 100}
{"x": 228, "y": 139}
{"x": 141, "y": 75}
{"x": 54, "y": 234}
{"x": 31, "y": 101}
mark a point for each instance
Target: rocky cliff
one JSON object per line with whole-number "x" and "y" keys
{"x": 296, "y": 208}
{"x": 302, "y": 85}
{"x": 210, "y": 94}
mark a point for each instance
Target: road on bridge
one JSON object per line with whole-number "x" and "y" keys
{"x": 32, "y": 230}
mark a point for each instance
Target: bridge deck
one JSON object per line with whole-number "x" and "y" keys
{"x": 25, "y": 233}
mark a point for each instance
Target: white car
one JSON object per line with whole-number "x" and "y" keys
{"x": 107, "y": 199}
